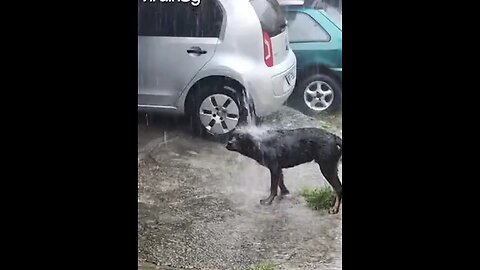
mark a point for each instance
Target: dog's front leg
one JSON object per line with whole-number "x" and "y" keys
{"x": 275, "y": 175}
{"x": 281, "y": 184}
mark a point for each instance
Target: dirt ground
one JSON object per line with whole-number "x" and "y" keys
{"x": 198, "y": 204}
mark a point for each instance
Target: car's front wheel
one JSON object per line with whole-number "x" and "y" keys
{"x": 217, "y": 111}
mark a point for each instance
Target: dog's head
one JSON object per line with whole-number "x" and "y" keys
{"x": 241, "y": 142}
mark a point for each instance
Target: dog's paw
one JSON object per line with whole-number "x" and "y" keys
{"x": 283, "y": 196}
{"x": 284, "y": 192}
{"x": 333, "y": 210}
{"x": 266, "y": 202}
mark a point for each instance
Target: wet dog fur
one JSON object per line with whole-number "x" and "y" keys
{"x": 280, "y": 149}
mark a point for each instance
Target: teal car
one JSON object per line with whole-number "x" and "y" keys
{"x": 317, "y": 43}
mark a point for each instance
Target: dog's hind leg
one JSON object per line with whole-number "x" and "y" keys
{"x": 328, "y": 167}
{"x": 275, "y": 176}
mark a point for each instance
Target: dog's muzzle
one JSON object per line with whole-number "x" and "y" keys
{"x": 232, "y": 145}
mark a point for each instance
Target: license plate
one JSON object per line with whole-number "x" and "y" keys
{"x": 290, "y": 77}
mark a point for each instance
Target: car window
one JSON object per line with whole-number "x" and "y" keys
{"x": 209, "y": 16}
{"x": 179, "y": 19}
{"x": 270, "y": 15}
{"x": 155, "y": 19}
{"x": 303, "y": 28}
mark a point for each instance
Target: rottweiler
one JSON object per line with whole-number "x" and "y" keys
{"x": 279, "y": 149}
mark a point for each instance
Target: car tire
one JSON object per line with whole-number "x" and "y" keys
{"x": 316, "y": 94}
{"x": 217, "y": 109}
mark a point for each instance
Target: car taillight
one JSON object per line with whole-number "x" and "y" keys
{"x": 267, "y": 50}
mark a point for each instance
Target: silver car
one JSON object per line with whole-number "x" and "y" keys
{"x": 214, "y": 60}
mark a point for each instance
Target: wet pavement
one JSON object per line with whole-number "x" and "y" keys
{"x": 198, "y": 204}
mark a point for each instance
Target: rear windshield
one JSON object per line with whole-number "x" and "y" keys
{"x": 270, "y": 15}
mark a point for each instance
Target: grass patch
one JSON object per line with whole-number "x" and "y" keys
{"x": 261, "y": 267}
{"x": 319, "y": 198}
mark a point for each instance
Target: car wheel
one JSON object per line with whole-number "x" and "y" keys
{"x": 318, "y": 93}
{"x": 217, "y": 111}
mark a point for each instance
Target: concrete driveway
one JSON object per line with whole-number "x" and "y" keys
{"x": 198, "y": 205}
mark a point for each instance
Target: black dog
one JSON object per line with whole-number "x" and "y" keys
{"x": 278, "y": 149}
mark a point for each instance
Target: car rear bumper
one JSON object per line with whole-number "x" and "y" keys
{"x": 269, "y": 87}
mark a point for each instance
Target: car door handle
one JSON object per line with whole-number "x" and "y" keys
{"x": 196, "y": 50}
